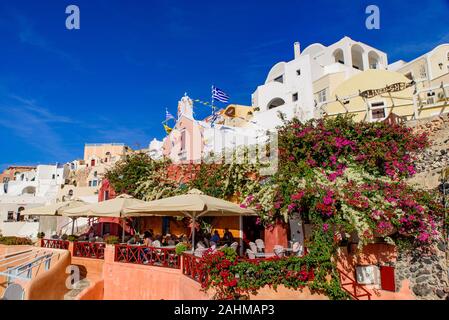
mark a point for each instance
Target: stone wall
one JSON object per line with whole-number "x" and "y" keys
{"x": 427, "y": 273}
{"x": 432, "y": 161}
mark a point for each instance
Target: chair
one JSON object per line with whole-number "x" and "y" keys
{"x": 260, "y": 245}
{"x": 279, "y": 251}
{"x": 199, "y": 252}
{"x": 250, "y": 254}
{"x": 156, "y": 244}
{"x": 234, "y": 246}
{"x": 253, "y": 247}
{"x": 298, "y": 249}
{"x": 201, "y": 245}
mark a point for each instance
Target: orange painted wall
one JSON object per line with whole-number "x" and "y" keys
{"x": 4, "y": 250}
{"x": 374, "y": 254}
{"x": 94, "y": 292}
{"x": 50, "y": 285}
{"x": 139, "y": 282}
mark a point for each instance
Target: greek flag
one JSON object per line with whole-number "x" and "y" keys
{"x": 219, "y": 95}
{"x": 168, "y": 115}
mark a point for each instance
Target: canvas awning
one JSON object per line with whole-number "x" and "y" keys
{"x": 56, "y": 209}
{"x": 109, "y": 209}
{"x": 106, "y": 209}
{"x": 194, "y": 204}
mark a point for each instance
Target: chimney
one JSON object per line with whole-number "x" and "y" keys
{"x": 297, "y": 49}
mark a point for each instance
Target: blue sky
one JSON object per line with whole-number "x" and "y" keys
{"x": 111, "y": 80}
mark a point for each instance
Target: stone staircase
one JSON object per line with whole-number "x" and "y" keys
{"x": 78, "y": 288}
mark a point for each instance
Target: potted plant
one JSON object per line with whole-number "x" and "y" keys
{"x": 112, "y": 240}
{"x": 180, "y": 248}
{"x": 41, "y": 235}
{"x": 72, "y": 238}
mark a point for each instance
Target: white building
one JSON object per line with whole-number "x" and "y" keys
{"x": 35, "y": 188}
{"x": 296, "y": 87}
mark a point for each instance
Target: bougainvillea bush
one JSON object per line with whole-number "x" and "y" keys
{"x": 349, "y": 177}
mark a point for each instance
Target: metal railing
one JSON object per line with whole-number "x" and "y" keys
{"x": 55, "y": 244}
{"x": 85, "y": 249}
{"x": 26, "y": 264}
{"x": 191, "y": 267}
{"x": 153, "y": 256}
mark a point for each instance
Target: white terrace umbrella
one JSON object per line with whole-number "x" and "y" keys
{"x": 107, "y": 209}
{"x": 56, "y": 209}
{"x": 194, "y": 204}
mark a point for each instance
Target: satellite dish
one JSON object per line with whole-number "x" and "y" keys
{"x": 14, "y": 292}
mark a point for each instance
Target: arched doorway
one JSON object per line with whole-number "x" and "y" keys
{"x": 339, "y": 56}
{"x": 276, "y": 102}
{"x": 357, "y": 57}
{"x": 374, "y": 60}
{"x": 20, "y": 217}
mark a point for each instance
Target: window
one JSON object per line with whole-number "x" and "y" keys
{"x": 53, "y": 176}
{"x": 10, "y": 215}
{"x": 377, "y": 110}
{"x": 322, "y": 97}
{"x": 280, "y": 79}
{"x": 298, "y": 72}
{"x": 106, "y": 228}
{"x": 92, "y": 163}
{"x": 94, "y": 183}
{"x": 90, "y": 183}
{"x": 183, "y": 140}
{"x": 295, "y": 96}
{"x": 422, "y": 71}
{"x": 106, "y": 195}
{"x": 95, "y": 173}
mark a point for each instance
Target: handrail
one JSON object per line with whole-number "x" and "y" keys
{"x": 153, "y": 256}
{"x": 55, "y": 244}
{"x": 191, "y": 269}
{"x": 25, "y": 256}
{"x": 15, "y": 272}
{"x": 354, "y": 285}
{"x": 12, "y": 254}
{"x": 86, "y": 249}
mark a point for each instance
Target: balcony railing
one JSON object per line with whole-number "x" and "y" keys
{"x": 93, "y": 250}
{"x": 191, "y": 268}
{"x": 55, "y": 244}
{"x": 153, "y": 256}
{"x": 355, "y": 290}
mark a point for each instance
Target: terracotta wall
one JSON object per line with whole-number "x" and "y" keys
{"x": 374, "y": 254}
{"x": 91, "y": 269}
{"x": 4, "y": 250}
{"x": 124, "y": 281}
{"x": 94, "y": 292}
{"x": 50, "y": 285}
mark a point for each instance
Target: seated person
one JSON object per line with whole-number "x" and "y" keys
{"x": 147, "y": 239}
{"x": 170, "y": 241}
{"x": 215, "y": 237}
{"x": 228, "y": 238}
{"x": 133, "y": 240}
